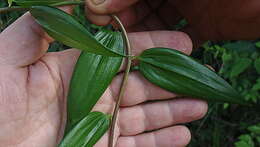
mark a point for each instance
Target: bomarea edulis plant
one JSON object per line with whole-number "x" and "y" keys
{"x": 101, "y": 57}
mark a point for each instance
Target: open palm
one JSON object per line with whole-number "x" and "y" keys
{"x": 34, "y": 86}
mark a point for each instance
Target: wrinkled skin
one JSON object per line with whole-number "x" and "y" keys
{"x": 34, "y": 87}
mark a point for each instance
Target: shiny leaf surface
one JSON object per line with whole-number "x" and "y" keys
{"x": 66, "y": 29}
{"x": 92, "y": 75}
{"x": 179, "y": 73}
{"x": 88, "y": 131}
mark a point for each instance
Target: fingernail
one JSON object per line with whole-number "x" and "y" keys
{"x": 98, "y": 2}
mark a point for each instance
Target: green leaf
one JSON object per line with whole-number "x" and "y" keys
{"x": 258, "y": 139}
{"x": 255, "y": 129}
{"x": 245, "y": 140}
{"x": 242, "y": 144}
{"x": 257, "y": 44}
{"x": 66, "y": 29}
{"x": 179, "y": 73}
{"x": 10, "y": 2}
{"x": 36, "y": 2}
{"x": 242, "y": 47}
{"x": 240, "y": 66}
{"x": 92, "y": 75}
{"x": 88, "y": 131}
{"x": 256, "y": 86}
{"x": 257, "y": 65}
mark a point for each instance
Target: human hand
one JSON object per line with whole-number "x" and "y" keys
{"x": 34, "y": 86}
{"x": 208, "y": 20}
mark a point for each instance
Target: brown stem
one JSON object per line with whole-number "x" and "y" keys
{"x": 11, "y": 9}
{"x": 124, "y": 82}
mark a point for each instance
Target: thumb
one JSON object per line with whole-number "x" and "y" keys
{"x": 24, "y": 42}
{"x": 108, "y": 6}
{"x": 97, "y": 11}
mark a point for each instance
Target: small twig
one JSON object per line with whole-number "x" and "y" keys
{"x": 224, "y": 122}
{"x": 123, "y": 84}
{"x": 204, "y": 119}
{"x": 11, "y": 9}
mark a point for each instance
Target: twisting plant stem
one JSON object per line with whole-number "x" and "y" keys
{"x": 124, "y": 82}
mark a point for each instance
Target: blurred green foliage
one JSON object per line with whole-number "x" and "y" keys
{"x": 8, "y": 18}
{"x": 251, "y": 139}
{"x": 237, "y": 61}
{"x": 231, "y": 125}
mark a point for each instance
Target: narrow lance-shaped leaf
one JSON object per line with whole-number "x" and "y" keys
{"x": 36, "y": 2}
{"x": 88, "y": 131}
{"x": 66, "y": 29}
{"x": 179, "y": 73}
{"x": 91, "y": 77}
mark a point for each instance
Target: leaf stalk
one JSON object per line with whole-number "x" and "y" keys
{"x": 129, "y": 59}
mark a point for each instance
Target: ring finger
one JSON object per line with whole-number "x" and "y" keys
{"x": 155, "y": 115}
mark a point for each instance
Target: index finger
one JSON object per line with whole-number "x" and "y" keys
{"x": 24, "y": 42}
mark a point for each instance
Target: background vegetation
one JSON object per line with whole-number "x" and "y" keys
{"x": 239, "y": 63}
{"x": 231, "y": 125}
